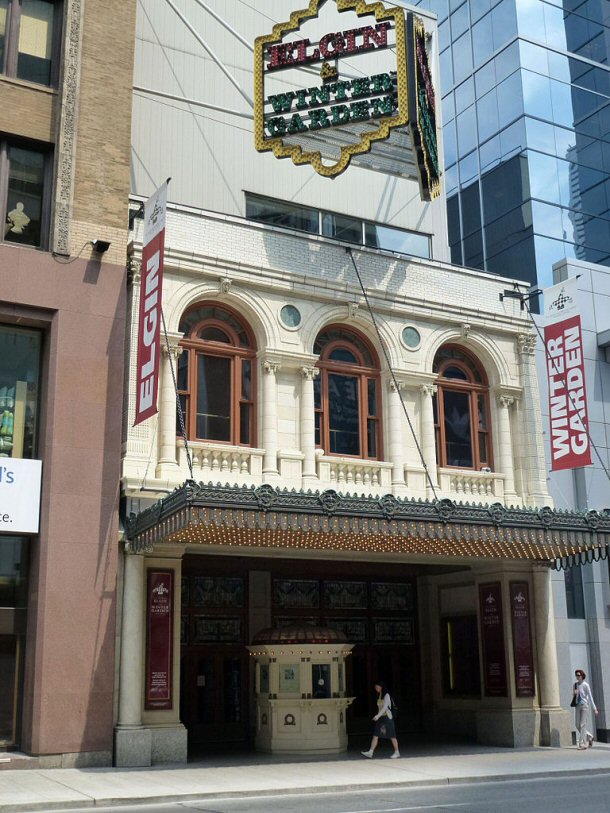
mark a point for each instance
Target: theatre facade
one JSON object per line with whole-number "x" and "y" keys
{"x": 359, "y": 444}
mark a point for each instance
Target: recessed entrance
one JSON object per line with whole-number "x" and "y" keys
{"x": 225, "y": 600}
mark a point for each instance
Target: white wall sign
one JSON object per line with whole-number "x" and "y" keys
{"x": 20, "y": 482}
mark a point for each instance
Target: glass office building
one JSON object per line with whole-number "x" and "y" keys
{"x": 526, "y": 122}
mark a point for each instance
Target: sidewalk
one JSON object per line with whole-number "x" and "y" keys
{"x": 37, "y": 789}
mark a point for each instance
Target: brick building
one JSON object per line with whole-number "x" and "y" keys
{"x": 65, "y": 107}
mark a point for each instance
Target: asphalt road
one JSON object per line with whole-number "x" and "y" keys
{"x": 588, "y": 793}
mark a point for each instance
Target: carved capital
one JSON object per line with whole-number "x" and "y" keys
{"x": 395, "y": 386}
{"x": 465, "y": 330}
{"x": 309, "y": 373}
{"x": 134, "y": 270}
{"x": 428, "y": 389}
{"x": 505, "y": 401}
{"x": 173, "y": 351}
{"x": 271, "y": 367}
{"x": 526, "y": 344}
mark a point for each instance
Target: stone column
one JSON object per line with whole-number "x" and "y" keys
{"x": 396, "y": 437}
{"x": 555, "y": 729}
{"x": 532, "y": 446}
{"x": 133, "y": 744}
{"x": 308, "y": 429}
{"x": 270, "y": 471}
{"x": 167, "y": 404}
{"x": 428, "y": 439}
{"x": 505, "y": 442}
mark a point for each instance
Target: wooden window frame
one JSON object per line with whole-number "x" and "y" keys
{"x": 473, "y": 389}
{"x": 237, "y": 355}
{"x": 45, "y": 204}
{"x": 11, "y": 43}
{"x": 363, "y": 373}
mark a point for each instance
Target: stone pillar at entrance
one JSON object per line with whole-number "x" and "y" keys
{"x": 555, "y": 728}
{"x": 506, "y": 447}
{"x": 396, "y": 439}
{"x": 132, "y": 742}
{"x": 167, "y": 406}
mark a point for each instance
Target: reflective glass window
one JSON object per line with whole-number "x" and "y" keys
{"x": 471, "y": 209}
{"x": 35, "y": 41}
{"x": 555, "y": 26}
{"x": 27, "y": 39}
{"x": 561, "y": 103}
{"x": 464, "y": 94}
{"x": 530, "y": 16}
{"x": 504, "y": 23}
{"x": 537, "y": 95}
{"x": 490, "y": 153}
{"x": 462, "y": 58}
{"x": 478, "y": 8}
{"x": 469, "y": 168}
{"x": 466, "y": 131}
{"x": 504, "y": 188}
{"x": 510, "y": 99}
{"x": 453, "y": 219}
{"x": 451, "y": 179}
{"x": 19, "y": 391}
{"x": 444, "y": 35}
{"x": 414, "y": 244}
{"x": 544, "y": 180}
{"x": 448, "y": 105}
{"x": 449, "y": 143}
{"x": 281, "y": 213}
{"x": 342, "y": 228}
{"x": 512, "y": 139}
{"x": 472, "y": 247}
{"x": 459, "y": 21}
{"x": 483, "y": 39}
{"x": 487, "y": 115}
{"x": 446, "y": 70}
{"x": 485, "y": 79}
{"x": 507, "y": 61}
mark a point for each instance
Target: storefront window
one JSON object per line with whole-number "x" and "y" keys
{"x": 13, "y": 600}
{"x": 19, "y": 383}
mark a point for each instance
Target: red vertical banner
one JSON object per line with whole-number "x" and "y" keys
{"x": 492, "y": 634}
{"x": 522, "y": 639}
{"x": 159, "y": 638}
{"x": 149, "y": 324}
{"x": 569, "y": 421}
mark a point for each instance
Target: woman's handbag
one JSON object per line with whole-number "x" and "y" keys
{"x": 574, "y": 698}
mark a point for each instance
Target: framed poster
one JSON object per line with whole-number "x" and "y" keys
{"x": 492, "y": 634}
{"x": 290, "y": 678}
{"x": 522, "y": 639}
{"x": 159, "y": 638}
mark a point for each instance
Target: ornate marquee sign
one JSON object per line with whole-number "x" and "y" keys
{"x": 332, "y": 87}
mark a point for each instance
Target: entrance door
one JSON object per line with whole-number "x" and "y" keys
{"x": 397, "y": 668}
{"x": 213, "y": 698}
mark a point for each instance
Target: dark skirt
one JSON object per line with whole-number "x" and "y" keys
{"x": 384, "y": 728}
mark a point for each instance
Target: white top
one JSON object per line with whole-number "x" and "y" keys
{"x": 584, "y": 694}
{"x": 385, "y": 707}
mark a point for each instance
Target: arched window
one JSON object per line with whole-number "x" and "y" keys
{"x": 347, "y": 395}
{"x": 216, "y": 374}
{"x": 461, "y": 411}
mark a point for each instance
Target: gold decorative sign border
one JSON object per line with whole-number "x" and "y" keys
{"x": 281, "y": 150}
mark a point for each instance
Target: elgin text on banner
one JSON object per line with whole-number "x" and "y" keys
{"x": 149, "y": 326}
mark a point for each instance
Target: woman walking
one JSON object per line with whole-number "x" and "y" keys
{"x": 583, "y": 700}
{"x": 384, "y": 722}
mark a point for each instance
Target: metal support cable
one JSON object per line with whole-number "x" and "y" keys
{"x": 208, "y": 50}
{"x": 178, "y": 404}
{"x": 394, "y": 379}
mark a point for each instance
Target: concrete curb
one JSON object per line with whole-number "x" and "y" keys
{"x": 91, "y": 802}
